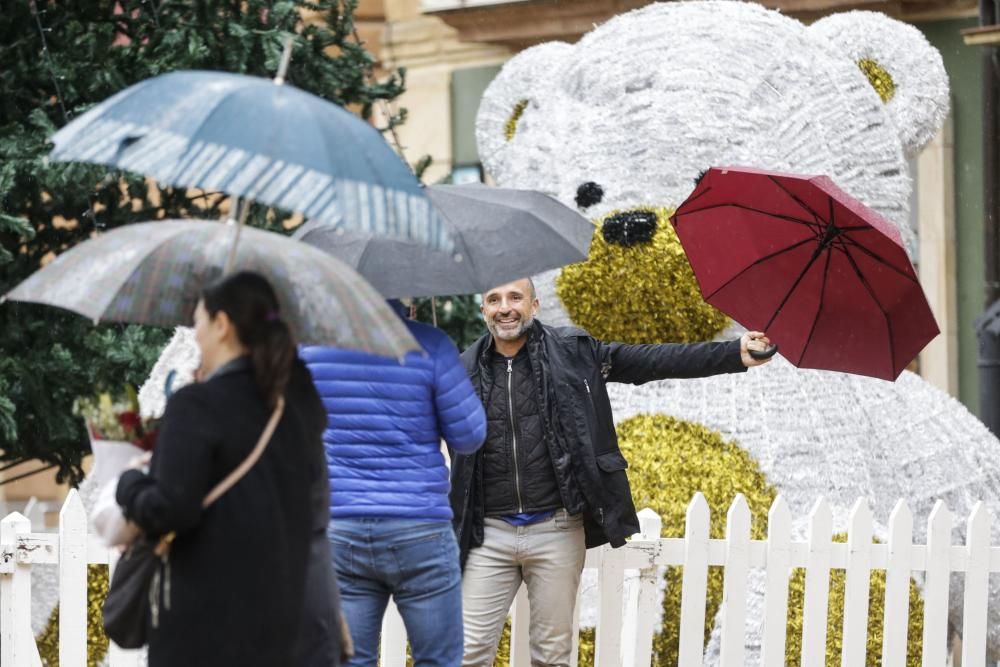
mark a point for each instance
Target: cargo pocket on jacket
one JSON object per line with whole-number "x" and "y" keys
{"x": 611, "y": 462}
{"x": 612, "y": 467}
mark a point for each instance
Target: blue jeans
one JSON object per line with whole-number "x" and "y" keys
{"x": 416, "y": 562}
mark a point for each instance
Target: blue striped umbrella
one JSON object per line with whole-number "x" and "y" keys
{"x": 257, "y": 139}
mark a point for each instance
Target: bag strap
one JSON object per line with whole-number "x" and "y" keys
{"x": 242, "y": 469}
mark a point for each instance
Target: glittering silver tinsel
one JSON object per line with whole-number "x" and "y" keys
{"x": 643, "y": 104}
{"x": 647, "y": 101}
{"x": 920, "y": 101}
{"x": 180, "y": 356}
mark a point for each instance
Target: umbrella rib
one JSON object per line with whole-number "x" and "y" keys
{"x": 795, "y": 285}
{"x": 779, "y": 216}
{"x": 756, "y": 262}
{"x": 796, "y": 199}
{"x": 819, "y": 309}
{"x": 878, "y": 258}
{"x": 871, "y": 293}
{"x": 363, "y": 256}
{"x": 698, "y": 196}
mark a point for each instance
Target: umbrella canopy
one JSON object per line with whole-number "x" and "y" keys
{"x": 826, "y": 277}
{"x": 499, "y": 234}
{"x": 153, "y": 273}
{"x": 250, "y": 137}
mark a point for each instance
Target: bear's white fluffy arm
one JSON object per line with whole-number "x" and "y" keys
{"x": 181, "y": 355}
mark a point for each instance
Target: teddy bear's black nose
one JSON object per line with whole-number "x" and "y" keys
{"x": 629, "y": 228}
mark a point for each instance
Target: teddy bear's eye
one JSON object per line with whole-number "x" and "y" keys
{"x": 588, "y": 194}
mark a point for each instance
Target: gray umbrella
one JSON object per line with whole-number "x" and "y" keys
{"x": 500, "y": 235}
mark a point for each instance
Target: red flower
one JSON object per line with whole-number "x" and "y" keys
{"x": 130, "y": 421}
{"x": 148, "y": 441}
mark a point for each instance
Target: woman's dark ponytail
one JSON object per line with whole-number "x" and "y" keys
{"x": 272, "y": 360}
{"x": 252, "y": 306}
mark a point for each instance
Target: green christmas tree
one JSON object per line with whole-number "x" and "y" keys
{"x": 57, "y": 59}
{"x": 458, "y": 316}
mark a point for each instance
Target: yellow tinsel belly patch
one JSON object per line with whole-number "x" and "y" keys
{"x": 97, "y": 641}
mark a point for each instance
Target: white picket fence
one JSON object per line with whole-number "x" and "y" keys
{"x": 71, "y": 549}
{"x": 628, "y": 598}
{"x": 628, "y": 587}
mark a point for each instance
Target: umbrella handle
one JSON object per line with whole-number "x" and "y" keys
{"x": 231, "y": 259}
{"x": 764, "y": 354}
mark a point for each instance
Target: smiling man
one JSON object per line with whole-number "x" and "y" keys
{"x": 550, "y": 481}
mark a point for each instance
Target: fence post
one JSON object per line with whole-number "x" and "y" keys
{"x": 17, "y": 644}
{"x": 72, "y": 582}
{"x": 817, "y": 585}
{"x": 936, "y": 582}
{"x": 694, "y": 583}
{"x": 34, "y": 510}
{"x": 574, "y": 658}
{"x": 610, "y": 582}
{"x": 779, "y": 555}
{"x": 734, "y": 584}
{"x": 520, "y": 648}
{"x": 393, "y": 637}
{"x": 977, "y": 579}
{"x": 640, "y": 611}
{"x": 856, "y": 584}
{"x": 897, "y": 587}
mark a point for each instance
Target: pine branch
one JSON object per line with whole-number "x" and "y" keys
{"x": 85, "y": 52}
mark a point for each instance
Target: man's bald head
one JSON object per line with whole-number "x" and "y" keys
{"x": 530, "y": 288}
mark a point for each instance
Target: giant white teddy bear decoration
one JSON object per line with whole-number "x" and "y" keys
{"x": 621, "y": 124}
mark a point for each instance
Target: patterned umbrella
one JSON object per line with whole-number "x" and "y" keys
{"x": 258, "y": 139}
{"x": 152, "y": 273}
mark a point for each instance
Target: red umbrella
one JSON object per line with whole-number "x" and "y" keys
{"x": 826, "y": 277}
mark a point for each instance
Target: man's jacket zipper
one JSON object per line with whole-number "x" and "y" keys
{"x": 513, "y": 435}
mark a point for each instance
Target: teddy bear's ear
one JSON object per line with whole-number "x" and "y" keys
{"x": 513, "y": 98}
{"x": 900, "y": 64}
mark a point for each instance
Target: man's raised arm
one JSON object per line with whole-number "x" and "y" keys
{"x": 637, "y": 364}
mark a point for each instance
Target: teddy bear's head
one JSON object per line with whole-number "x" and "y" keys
{"x": 621, "y": 125}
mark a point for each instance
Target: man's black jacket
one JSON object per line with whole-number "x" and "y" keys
{"x": 572, "y": 369}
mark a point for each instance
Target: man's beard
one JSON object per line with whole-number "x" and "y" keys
{"x": 524, "y": 325}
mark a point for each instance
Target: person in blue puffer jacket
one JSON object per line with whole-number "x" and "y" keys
{"x": 390, "y": 519}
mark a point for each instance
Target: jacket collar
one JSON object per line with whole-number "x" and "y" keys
{"x": 237, "y": 365}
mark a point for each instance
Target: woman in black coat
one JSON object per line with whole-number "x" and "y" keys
{"x": 234, "y": 589}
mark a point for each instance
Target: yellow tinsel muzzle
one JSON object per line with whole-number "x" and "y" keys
{"x": 638, "y": 292}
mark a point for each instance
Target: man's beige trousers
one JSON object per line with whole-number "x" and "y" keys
{"x": 548, "y": 556}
